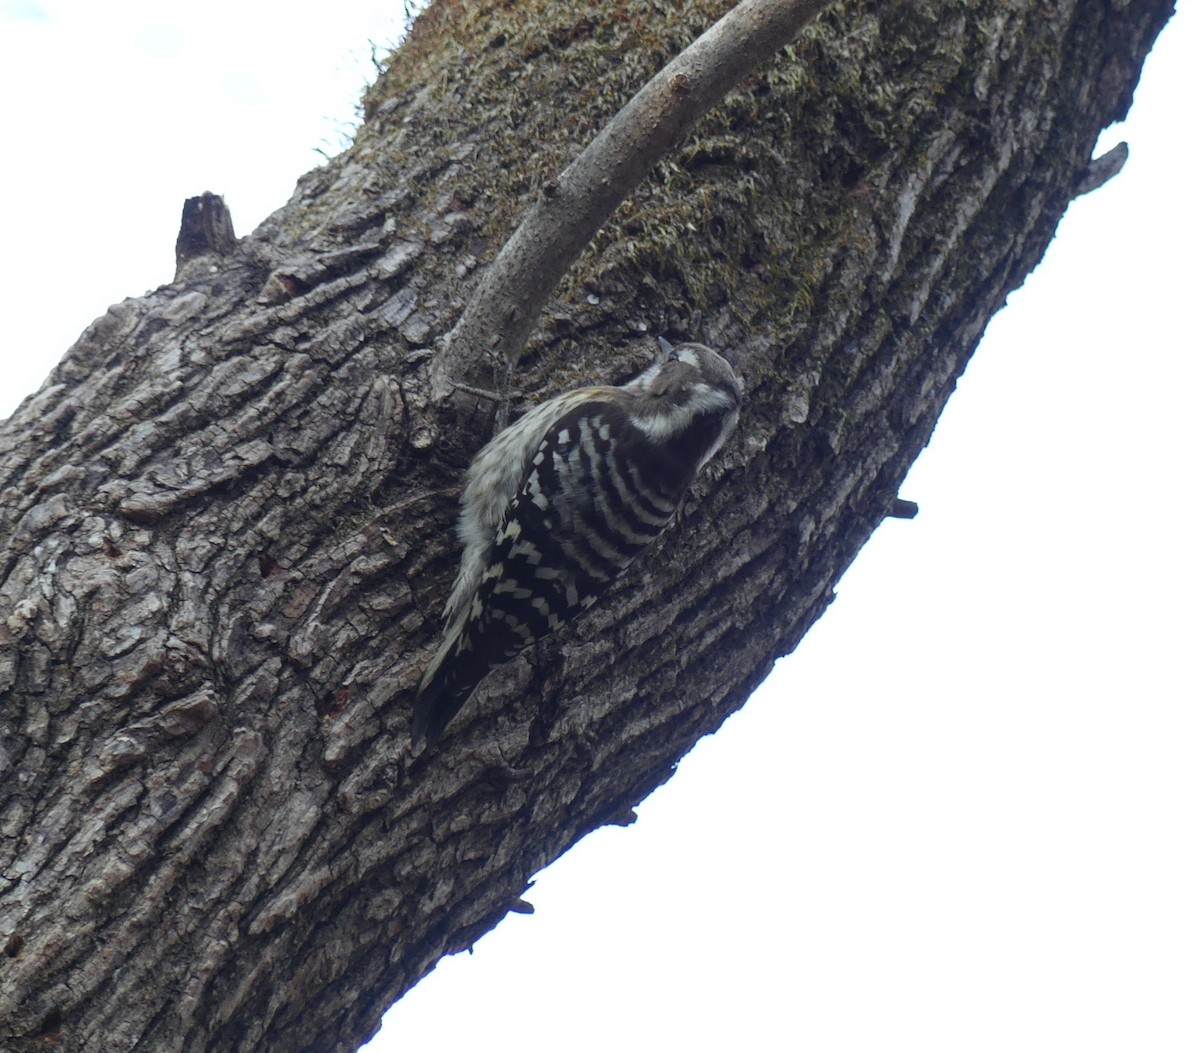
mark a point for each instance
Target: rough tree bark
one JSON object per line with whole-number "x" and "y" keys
{"x": 225, "y": 526}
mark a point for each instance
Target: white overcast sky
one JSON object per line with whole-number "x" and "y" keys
{"x": 963, "y": 815}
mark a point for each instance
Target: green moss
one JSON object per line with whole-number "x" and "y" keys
{"x": 767, "y": 212}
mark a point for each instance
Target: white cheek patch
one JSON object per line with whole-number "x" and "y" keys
{"x": 663, "y": 425}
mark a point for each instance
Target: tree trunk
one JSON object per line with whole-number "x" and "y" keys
{"x": 227, "y": 516}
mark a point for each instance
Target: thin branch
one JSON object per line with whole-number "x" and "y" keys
{"x": 570, "y": 210}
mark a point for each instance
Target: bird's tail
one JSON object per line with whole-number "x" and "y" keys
{"x": 444, "y": 690}
{"x": 470, "y": 649}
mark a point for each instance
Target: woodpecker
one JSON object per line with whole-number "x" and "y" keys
{"x": 559, "y": 503}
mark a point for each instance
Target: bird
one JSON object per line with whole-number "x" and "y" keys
{"x": 559, "y": 503}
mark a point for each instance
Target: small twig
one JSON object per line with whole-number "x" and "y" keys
{"x": 572, "y": 207}
{"x": 206, "y": 229}
{"x": 902, "y": 509}
{"x": 1101, "y": 169}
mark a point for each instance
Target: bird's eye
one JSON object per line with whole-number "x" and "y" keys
{"x": 673, "y": 356}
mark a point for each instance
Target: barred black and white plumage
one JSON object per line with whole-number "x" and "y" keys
{"x": 559, "y": 503}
